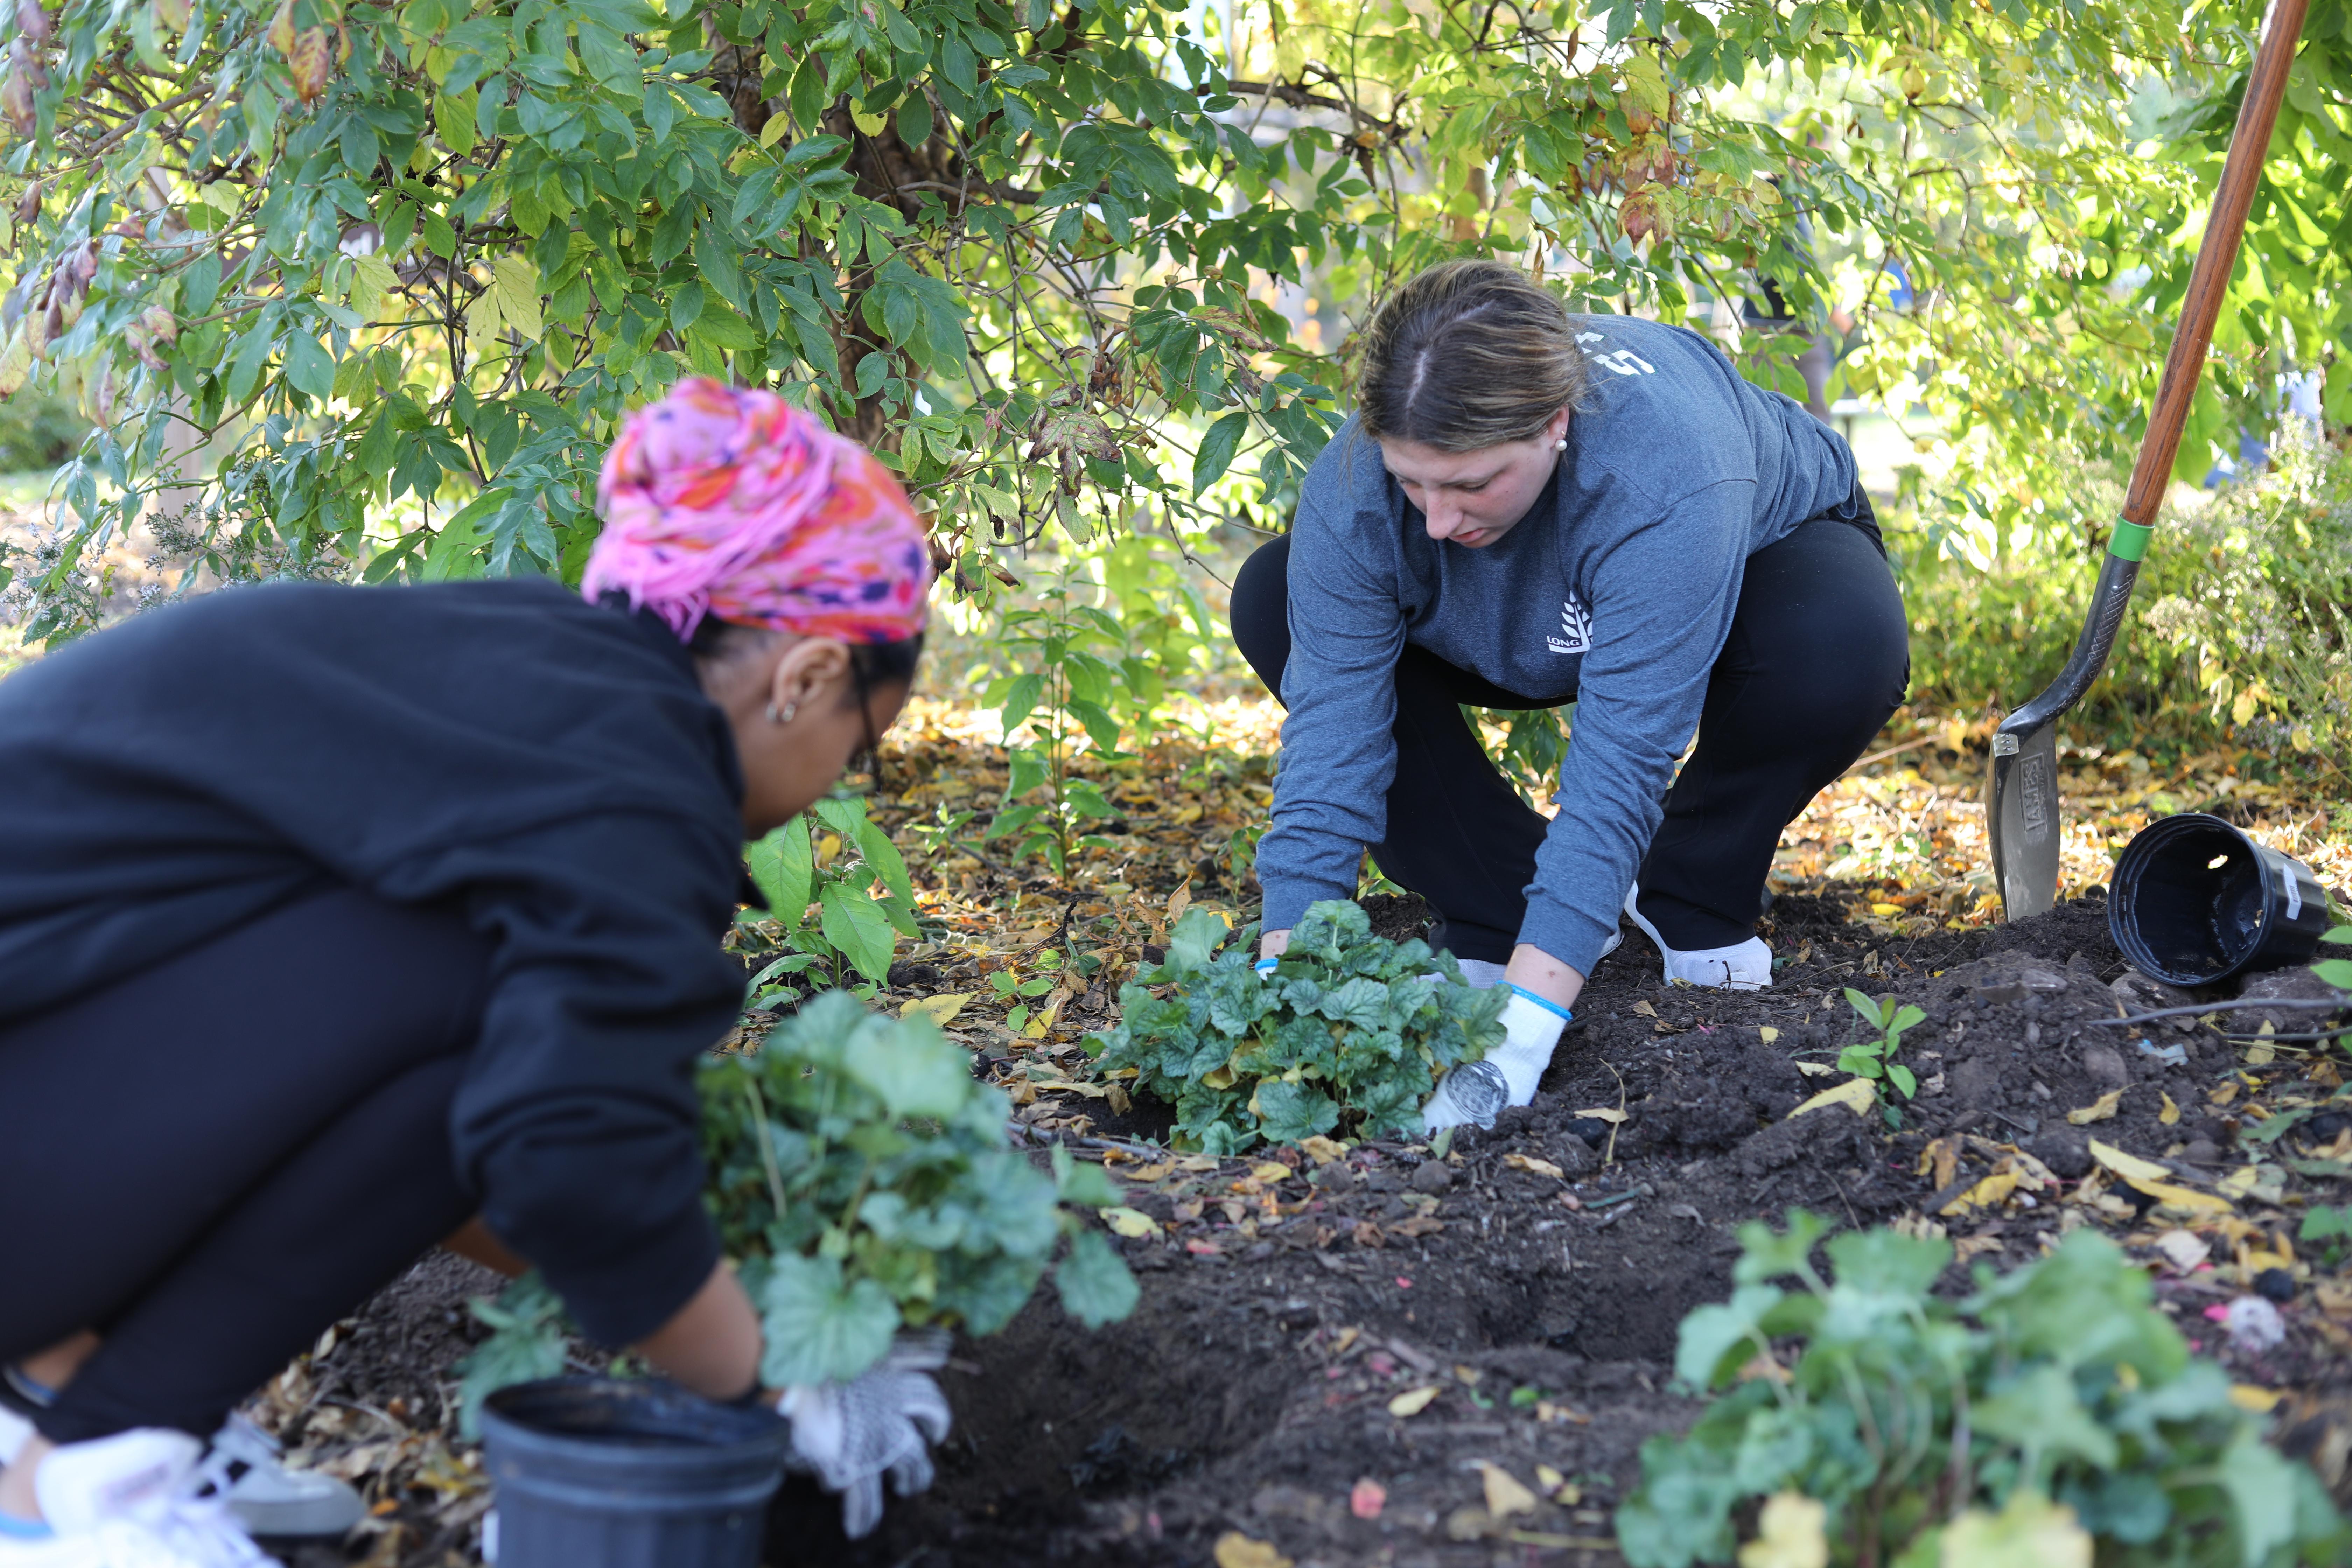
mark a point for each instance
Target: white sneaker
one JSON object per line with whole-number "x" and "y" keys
{"x": 270, "y": 1500}
{"x": 1743, "y": 966}
{"x": 136, "y": 1500}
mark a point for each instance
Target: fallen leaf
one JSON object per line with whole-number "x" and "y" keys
{"x": 1767, "y": 1034}
{"x": 1367, "y": 1498}
{"x": 2262, "y": 1053}
{"x": 2223, "y": 1095}
{"x": 1940, "y": 1162}
{"x": 1815, "y": 1069}
{"x": 940, "y": 1009}
{"x": 1179, "y": 901}
{"x": 1411, "y": 1401}
{"x": 1537, "y": 1167}
{"x": 2181, "y": 1198}
{"x": 1602, "y": 1113}
{"x": 1551, "y": 1480}
{"x": 1788, "y": 1534}
{"x": 2170, "y": 1115}
{"x": 1132, "y": 1223}
{"x": 2261, "y": 1401}
{"x": 1418, "y": 1225}
{"x": 1505, "y": 1495}
{"x": 2130, "y": 1167}
{"x": 2182, "y": 1249}
{"x": 1236, "y": 1550}
{"x": 1645, "y": 1009}
{"x": 2100, "y": 1109}
{"x": 1272, "y": 1172}
{"x": 1856, "y": 1094}
{"x": 1991, "y": 1193}
{"x": 1322, "y": 1150}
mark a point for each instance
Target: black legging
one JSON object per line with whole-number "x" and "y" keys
{"x": 1817, "y": 659}
{"x": 210, "y": 1163}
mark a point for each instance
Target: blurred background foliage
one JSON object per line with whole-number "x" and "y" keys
{"x": 331, "y": 288}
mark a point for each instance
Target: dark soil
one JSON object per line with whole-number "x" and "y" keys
{"x": 1533, "y": 1276}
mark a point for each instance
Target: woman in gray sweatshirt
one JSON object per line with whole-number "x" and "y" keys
{"x": 1530, "y": 509}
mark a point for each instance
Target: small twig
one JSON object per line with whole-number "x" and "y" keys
{"x": 1911, "y": 745}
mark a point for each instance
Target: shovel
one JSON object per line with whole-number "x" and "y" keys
{"x": 2022, "y": 797}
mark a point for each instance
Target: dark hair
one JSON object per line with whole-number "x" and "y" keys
{"x": 870, "y": 664}
{"x": 1467, "y": 355}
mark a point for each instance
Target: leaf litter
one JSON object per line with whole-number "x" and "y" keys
{"x": 1337, "y": 1358}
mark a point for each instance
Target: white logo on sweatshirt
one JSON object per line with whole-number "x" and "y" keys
{"x": 1575, "y": 628}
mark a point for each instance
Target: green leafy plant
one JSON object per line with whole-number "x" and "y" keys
{"x": 1350, "y": 1033}
{"x": 2336, "y": 971}
{"x": 1880, "y": 1423}
{"x": 1064, "y": 698}
{"x": 1876, "y": 1058}
{"x": 863, "y": 1179}
{"x": 836, "y": 872}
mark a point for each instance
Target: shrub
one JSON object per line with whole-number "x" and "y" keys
{"x": 865, "y": 1181}
{"x": 2052, "y": 1414}
{"x": 1350, "y": 1032}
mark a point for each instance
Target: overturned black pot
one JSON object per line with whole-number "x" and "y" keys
{"x": 2195, "y": 902}
{"x": 596, "y": 1472}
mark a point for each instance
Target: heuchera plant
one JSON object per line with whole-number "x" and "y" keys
{"x": 865, "y": 1181}
{"x": 2053, "y": 1416}
{"x": 1350, "y": 1033}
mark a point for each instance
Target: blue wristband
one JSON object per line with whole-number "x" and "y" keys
{"x": 1562, "y": 1014}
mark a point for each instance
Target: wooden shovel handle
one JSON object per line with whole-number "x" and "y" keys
{"x": 2241, "y": 173}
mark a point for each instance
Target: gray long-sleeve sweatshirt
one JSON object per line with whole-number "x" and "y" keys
{"x": 1619, "y": 587}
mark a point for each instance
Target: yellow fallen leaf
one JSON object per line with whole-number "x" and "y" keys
{"x": 1536, "y": 1166}
{"x": 1272, "y": 1170}
{"x": 2130, "y": 1167}
{"x": 1856, "y": 1094}
{"x": 1505, "y": 1495}
{"x": 1788, "y": 1534}
{"x": 2262, "y": 1054}
{"x": 2223, "y": 1095}
{"x": 1815, "y": 1069}
{"x": 1179, "y": 901}
{"x": 2170, "y": 1197}
{"x": 1602, "y": 1113}
{"x": 1322, "y": 1150}
{"x": 1887, "y": 909}
{"x": 2170, "y": 1115}
{"x": 2261, "y": 1401}
{"x": 1767, "y": 1034}
{"x": 1130, "y": 1223}
{"x": 2100, "y": 1109}
{"x": 939, "y": 1009}
{"x": 1645, "y": 1009}
{"x": 1991, "y": 1193}
{"x": 1411, "y": 1401}
{"x": 1236, "y": 1550}
{"x": 1551, "y": 1480}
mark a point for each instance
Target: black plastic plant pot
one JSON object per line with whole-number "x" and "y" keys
{"x": 2195, "y": 902}
{"x": 602, "y": 1473}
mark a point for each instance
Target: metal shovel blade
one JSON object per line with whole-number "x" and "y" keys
{"x": 2022, "y": 812}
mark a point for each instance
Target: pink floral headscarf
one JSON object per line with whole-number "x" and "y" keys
{"x": 727, "y": 503}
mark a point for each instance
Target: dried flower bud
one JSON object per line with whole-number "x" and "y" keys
{"x": 159, "y": 322}
{"x": 1638, "y": 217}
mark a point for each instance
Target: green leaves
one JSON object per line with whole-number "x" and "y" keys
{"x": 1348, "y": 1033}
{"x": 1094, "y": 1283}
{"x": 821, "y": 1327}
{"x": 1876, "y": 1058}
{"x": 528, "y": 1342}
{"x": 2053, "y": 1397}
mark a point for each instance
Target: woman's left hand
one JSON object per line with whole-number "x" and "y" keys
{"x": 881, "y": 1422}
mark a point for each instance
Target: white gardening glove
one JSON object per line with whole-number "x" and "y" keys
{"x": 849, "y": 1434}
{"x": 1475, "y": 1092}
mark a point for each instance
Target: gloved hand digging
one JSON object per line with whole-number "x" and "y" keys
{"x": 1475, "y": 1092}
{"x": 849, "y": 1434}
